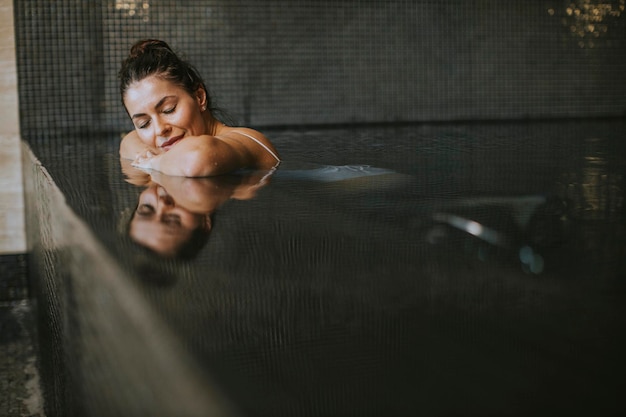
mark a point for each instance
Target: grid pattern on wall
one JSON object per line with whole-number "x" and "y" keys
{"x": 278, "y": 62}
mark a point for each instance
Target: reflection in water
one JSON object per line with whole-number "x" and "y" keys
{"x": 173, "y": 216}
{"x": 166, "y": 227}
{"x": 596, "y": 191}
{"x": 521, "y": 227}
{"x": 589, "y": 20}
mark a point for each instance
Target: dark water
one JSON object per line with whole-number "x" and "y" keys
{"x": 480, "y": 271}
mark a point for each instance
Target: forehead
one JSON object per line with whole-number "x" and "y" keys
{"x": 150, "y": 91}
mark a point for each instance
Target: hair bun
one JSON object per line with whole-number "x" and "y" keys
{"x": 148, "y": 45}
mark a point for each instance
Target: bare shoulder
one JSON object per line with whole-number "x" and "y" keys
{"x": 254, "y": 141}
{"x": 237, "y": 133}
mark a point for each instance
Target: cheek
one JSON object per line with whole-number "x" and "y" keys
{"x": 146, "y": 136}
{"x": 192, "y": 120}
{"x": 189, "y": 122}
{"x": 189, "y": 221}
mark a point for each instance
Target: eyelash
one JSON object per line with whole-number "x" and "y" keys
{"x": 168, "y": 111}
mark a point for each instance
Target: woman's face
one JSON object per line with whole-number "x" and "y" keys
{"x": 164, "y": 113}
{"x": 161, "y": 225}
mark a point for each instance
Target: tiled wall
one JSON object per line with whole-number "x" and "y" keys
{"x": 276, "y": 62}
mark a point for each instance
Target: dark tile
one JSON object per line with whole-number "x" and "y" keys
{"x": 19, "y": 376}
{"x": 13, "y": 273}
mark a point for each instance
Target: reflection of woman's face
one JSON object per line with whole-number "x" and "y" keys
{"x": 161, "y": 225}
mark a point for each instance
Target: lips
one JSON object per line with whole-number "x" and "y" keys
{"x": 171, "y": 141}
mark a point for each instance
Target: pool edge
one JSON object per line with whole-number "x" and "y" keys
{"x": 104, "y": 350}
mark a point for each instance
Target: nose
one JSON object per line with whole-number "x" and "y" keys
{"x": 162, "y": 127}
{"x": 167, "y": 200}
{"x": 163, "y": 203}
{"x": 164, "y": 199}
{"x": 164, "y": 206}
{"x": 166, "y": 210}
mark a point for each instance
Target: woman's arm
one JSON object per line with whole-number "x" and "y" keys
{"x": 197, "y": 156}
{"x": 131, "y": 146}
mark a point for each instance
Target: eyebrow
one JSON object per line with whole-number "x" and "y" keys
{"x": 159, "y": 104}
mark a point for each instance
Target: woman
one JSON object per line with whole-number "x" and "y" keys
{"x": 176, "y": 132}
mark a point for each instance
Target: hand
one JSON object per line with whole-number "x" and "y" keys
{"x": 146, "y": 160}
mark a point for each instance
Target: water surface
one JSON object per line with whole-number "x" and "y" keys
{"x": 440, "y": 269}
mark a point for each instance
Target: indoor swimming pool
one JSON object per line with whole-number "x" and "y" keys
{"x": 444, "y": 236}
{"x": 426, "y": 269}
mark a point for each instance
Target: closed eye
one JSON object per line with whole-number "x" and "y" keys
{"x": 145, "y": 210}
{"x": 170, "y": 110}
{"x": 143, "y": 124}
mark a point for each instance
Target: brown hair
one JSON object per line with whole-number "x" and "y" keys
{"x": 154, "y": 57}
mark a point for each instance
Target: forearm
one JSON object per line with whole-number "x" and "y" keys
{"x": 198, "y": 157}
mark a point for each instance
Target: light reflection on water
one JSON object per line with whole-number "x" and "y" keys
{"x": 596, "y": 190}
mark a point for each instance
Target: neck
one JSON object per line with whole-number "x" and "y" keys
{"x": 214, "y": 126}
